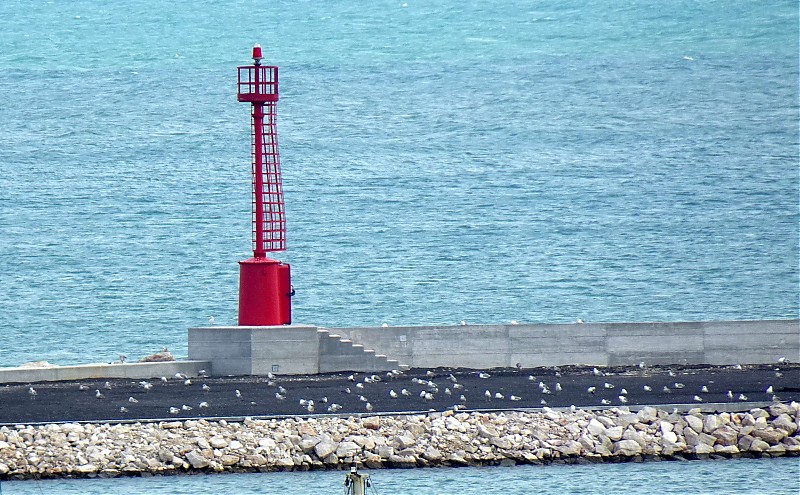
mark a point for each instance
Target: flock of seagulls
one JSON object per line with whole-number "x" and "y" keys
{"x": 439, "y": 389}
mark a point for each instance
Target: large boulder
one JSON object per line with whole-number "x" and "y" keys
{"x": 325, "y": 447}
{"x": 694, "y": 423}
{"x": 595, "y": 427}
{"x": 726, "y": 435}
{"x": 196, "y": 459}
{"x": 347, "y": 449}
{"x": 627, "y": 448}
{"x": 770, "y": 435}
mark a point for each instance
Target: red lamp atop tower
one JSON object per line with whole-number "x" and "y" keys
{"x": 265, "y": 288}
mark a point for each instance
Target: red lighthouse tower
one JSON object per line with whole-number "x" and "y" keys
{"x": 265, "y": 288}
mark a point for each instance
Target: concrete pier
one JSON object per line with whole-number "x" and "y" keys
{"x": 309, "y": 349}
{"x": 103, "y": 370}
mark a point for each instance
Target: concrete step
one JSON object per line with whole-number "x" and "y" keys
{"x": 338, "y": 353}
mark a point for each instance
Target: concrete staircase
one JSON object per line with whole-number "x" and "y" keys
{"x": 337, "y": 353}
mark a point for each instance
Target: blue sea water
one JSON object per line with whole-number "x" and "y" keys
{"x": 537, "y": 161}
{"x": 744, "y": 476}
{"x": 484, "y": 161}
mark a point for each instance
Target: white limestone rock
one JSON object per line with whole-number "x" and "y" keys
{"x": 432, "y": 454}
{"x": 308, "y": 443}
{"x": 778, "y": 449}
{"x": 500, "y": 442}
{"x": 647, "y": 414}
{"x": 627, "y": 448}
{"x": 570, "y": 448}
{"x": 758, "y": 445}
{"x": 403, "y": 441}
{"x": 694, "y": 423}
{"x": 770, "y": 435}
{"x": 726, "y": 449}
{"x": 595, "y": 427}
{"x": 165, "y": 455}
{"x": 670, "y": 437}
{"x": 266, "y": 443}
{"x": 218, "y": 442}
{"x": 347, "y": 449}
{"x": 614, "y": 433}
{"x": 726, "y": 435}
{"x": 711, "y": 422}
{"x": 671, "y": 448}
{"x": 86, "y": 469}
{"x": 487, "y": 431}
{"x": 783, "y": 422}
{"x": 637, "y": 436}
{"x": 196, "y": 459}
{"x": 702, "y": 448}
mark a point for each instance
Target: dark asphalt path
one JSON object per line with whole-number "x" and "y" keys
{"x": 64, "y": 401}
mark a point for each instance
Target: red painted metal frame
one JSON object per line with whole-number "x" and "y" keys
{"x": 265, "y": 286}
{"x": 258, "y": 85}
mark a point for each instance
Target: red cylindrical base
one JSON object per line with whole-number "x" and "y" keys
{"x": 265, "y": 292}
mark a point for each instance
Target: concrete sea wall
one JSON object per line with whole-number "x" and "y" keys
{"x": 437, "y": 439}
{"x": 309, "y": 349}
{"x": 599, "y": 344}
{"x": 53, "y": 373}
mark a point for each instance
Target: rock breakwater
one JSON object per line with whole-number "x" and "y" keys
{"x": 435, "y": 439}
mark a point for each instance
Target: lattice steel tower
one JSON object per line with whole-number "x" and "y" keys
{"x": 265, "y": 288}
